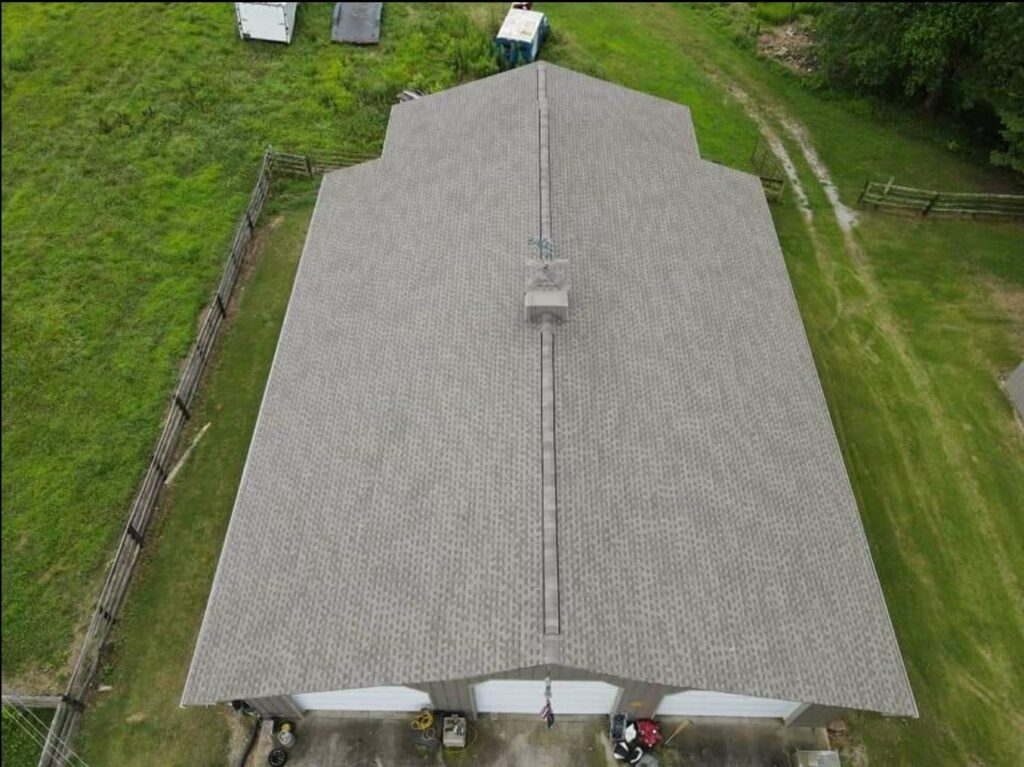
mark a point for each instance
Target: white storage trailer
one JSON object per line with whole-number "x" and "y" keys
{"x": 521, "y": 34}
{"x": 266, "y": 21}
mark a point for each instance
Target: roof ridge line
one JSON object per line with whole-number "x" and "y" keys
{"x": 544, "y": 154}
{"x": 551, "y": 583}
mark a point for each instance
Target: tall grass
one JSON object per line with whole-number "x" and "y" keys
{"x": 783, "y": 13}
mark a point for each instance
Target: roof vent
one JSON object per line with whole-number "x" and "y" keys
{"x": 553, "y": 303}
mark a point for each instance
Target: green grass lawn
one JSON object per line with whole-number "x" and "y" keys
{"x": 910, "y": 330}
{"x": 131, "y": 136}
{"x": 139, "y": 722}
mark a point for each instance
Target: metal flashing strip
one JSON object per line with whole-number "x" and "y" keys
{"x": 549, "y": 471}
{"x": 545, "y": 158}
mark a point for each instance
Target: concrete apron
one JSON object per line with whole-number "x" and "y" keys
{"x": 519, "y": 742}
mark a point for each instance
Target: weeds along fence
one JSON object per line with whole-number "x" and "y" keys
{"x": 888, "y": 195}
{"x": 57, "y": 747}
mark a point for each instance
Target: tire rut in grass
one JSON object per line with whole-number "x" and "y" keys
{"x": 876, "y": 308}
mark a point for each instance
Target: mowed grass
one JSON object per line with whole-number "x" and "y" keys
{"x": 912, "y": 327}
{"x": 130, "y": 137}
{"x": 139, "y": 721}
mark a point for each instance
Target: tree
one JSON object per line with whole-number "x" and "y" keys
{"x": 962, "y": 59}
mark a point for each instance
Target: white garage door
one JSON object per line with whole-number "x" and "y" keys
{"x": 703, "y": 703}
{"x": 364, "y": 699}
{"x": 526, "y": 696}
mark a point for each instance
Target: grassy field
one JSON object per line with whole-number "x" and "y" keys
{"x": 139, "y": 720}
{"x": 911, "y": 323}
{"x": 129, "y": 148}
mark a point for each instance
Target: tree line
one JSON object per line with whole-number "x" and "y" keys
{"x": 964, "y": 60}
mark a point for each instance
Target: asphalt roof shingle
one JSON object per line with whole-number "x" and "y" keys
{"x": 708, "y": 534}
{"x": 1015, "y": 388}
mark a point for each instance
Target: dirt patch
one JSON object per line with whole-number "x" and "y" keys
{"x": 792, "y": 45}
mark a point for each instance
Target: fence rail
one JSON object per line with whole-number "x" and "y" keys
{"x": 69, "y": 707}
{"x": 316, "y": 163}
{"x": 889, "y": 195}
{"x": 29, "y": 700}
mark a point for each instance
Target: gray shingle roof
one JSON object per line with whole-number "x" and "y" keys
{"x": 708, "y": 536}
{"x": 1015, "y": 388}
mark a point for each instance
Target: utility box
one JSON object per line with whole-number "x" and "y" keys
{"x": 266, "y": 21}
{"x": 454, "y": 732}
{"x": 520, "y": 35}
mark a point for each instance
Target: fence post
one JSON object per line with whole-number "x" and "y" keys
{"x": 135, "y": 535}
{"x": 931, "y": 202}
{"x": 864, "y": 191}
{"x": 309, "y": 167}
{"x": 181, "y": 406}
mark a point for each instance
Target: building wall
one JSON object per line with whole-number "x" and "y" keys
{"x": 277, "y": 706}
{"x": 640, "y": 699}
{"x": 810, "y": 715}
{"x": 451, "y": 695}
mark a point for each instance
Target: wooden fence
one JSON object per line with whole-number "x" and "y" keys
{"x": 769, "y": 170}
{"x": 22, "y": 700}
{"x": 316, "y": 163}
{"x": 57, "y": 748}
{"x": 890, "y": 196}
